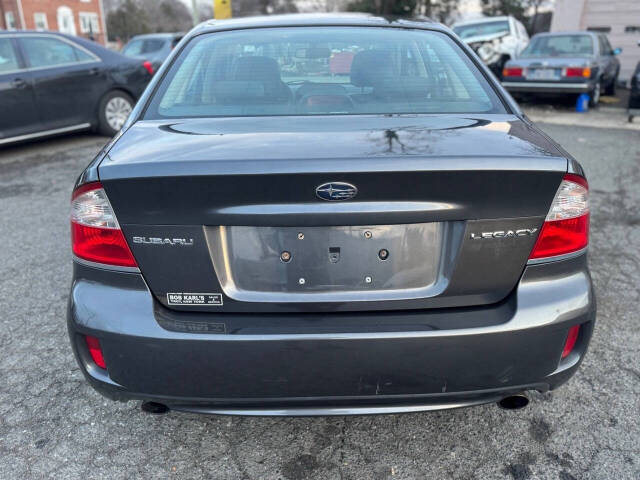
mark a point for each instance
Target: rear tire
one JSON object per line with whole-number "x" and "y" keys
{"x": 594, "y": 95}
{"x": 113, "y": 111}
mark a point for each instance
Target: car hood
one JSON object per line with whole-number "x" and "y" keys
{"x": 186, "y": 143}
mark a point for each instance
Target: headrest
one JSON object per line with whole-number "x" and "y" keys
{"x": 369, "y": 66}
{"x": 232, "y": 91}
{"x": 403, "y": 88}
{"x": 260, "y": 69}
{"x": 320, "y": 89}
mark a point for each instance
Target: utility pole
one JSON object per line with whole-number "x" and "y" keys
{"x": 194, "y": 12}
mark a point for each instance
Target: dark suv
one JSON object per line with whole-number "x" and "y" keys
{"x": 312, "y": 215}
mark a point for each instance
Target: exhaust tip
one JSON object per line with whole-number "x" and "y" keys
{"x": 514, "y": 402}
{"x": 154, "y": 408}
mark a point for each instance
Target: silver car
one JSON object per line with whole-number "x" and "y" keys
{"x": 561, "y": 63}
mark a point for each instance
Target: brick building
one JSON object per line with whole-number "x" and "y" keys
{"x": 84, "y": 18}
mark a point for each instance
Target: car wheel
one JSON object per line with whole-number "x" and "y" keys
{"x": 594, "y": 95}
{"x": 115, "y": 108}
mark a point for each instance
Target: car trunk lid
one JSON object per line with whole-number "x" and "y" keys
{"x": 209, "y": 207}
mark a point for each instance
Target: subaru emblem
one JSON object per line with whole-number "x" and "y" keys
{"x": 335, "y": 191}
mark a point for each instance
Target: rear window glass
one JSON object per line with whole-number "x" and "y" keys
{"x": 8, "y": 58}
{"x": 322, "y": 70}
{"x": 142, "y": 46}
{"x": 559, "y": 46}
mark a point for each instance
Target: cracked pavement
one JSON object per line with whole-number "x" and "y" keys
{"x": 53, "y": 425}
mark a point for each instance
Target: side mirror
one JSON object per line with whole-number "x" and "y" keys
{"x": 617, "y": 51}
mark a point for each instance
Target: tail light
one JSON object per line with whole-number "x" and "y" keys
{"x": 148, "y": 67}
{"x": 512, "y": 72}
{"x": 95, "y": 232}
{"x": 577, "y": 72}
{"x": 95, "y": 350}
{"x": 566, "y": 228}
{"x": 572, "y": 337}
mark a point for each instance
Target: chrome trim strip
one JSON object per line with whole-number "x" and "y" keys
{"x": 68, "y": 64}
{"x": 576, "y": 86}
{"x": 557, "y": 258}
{"x": 44, "y": 133}
{"x": 332, "y": 411}
{"x": 10, "y": 72}
{"x": 102, "y": 266}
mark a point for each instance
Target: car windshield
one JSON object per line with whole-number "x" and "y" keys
{"x": 559, "y": 46}
{"x": 142, "y": 46}
{"x": 322, "y": 70}
{"x": 482, "y": 29}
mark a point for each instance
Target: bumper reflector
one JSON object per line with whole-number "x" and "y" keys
{"x": 572, "y": 337}
{"x": 95, "y": 351}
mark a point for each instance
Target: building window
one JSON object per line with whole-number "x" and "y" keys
{"x": 66, "y": 23}
{"x": 40, "y": 20}
{"x": 632, "y": 29}
{"x": 10, "y": 20}
{"x": 599, "y": 29}
{"x": 89, "y": 23}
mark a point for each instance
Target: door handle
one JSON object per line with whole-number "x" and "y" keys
{"x": 18, "y": 83}
{"x": 93, "y": 71}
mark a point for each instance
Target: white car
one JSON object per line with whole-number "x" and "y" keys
{"x": 495, "y": 39}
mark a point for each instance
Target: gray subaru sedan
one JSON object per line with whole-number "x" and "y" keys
{"x": 328, "y": 215}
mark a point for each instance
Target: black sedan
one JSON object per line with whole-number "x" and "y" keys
{"x": 268, "y": 237}
{"x": 564, "y": 63}
{"x": 52, "y": 83}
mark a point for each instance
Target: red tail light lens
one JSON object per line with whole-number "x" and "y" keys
{"x": 95, "y": 350}
{"x": 95, "y": 232}
{"x": 577, "y": 72}
{"x": 566, "y": 228}
{"x": 512, "y": 72}
{"x": 561, "y": 237}
{"x": 148, "y": 67}
{"x": 571, "y": 340}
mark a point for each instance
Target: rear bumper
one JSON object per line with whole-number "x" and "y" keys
{"x": 324, "y": 364}
{"x": 548, "y": 87}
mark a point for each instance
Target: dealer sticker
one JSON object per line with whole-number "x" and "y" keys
{"x": 194, "y": 298}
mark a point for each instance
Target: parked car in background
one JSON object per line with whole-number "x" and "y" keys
{"x": 496, "y": 40}
{"x": 268, "y": 237}
{"x": 51, "y": 83}
{"x": 153, "y": 48}
{"x": 634, "y": 95}
{"x": 565, "y": 63}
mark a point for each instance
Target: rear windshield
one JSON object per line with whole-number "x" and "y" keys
{"x": 142, "y": 46}
{"x": 559, "y": 46}
{"x": 482, "y": 29}
{"x": 322, "y": 70}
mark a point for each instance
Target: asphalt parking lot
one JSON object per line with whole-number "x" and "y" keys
{"x": 53, "y": 425}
